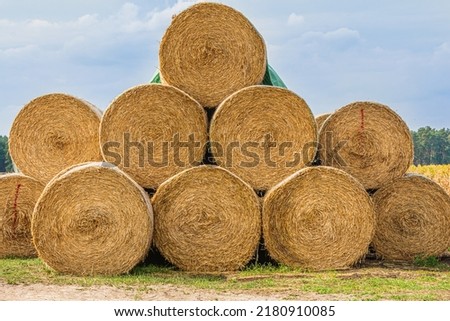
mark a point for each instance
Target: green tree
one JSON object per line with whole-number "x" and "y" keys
{"x": 8, "y": 163}
{"x": 3, "y": 151}
{"x": 5, "y": 160}
{"x": 431, "y": 146}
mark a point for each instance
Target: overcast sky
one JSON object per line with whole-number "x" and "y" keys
{"x": 329, "y": 52}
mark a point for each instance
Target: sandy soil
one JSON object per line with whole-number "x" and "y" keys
{"x": 170, "y": 292}
{"x": 42, "y": 292}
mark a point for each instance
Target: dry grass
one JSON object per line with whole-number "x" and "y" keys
{"x": 320, "y": 119}
{"x": 438, "y": 173}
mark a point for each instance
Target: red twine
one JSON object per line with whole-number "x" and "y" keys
{"x": 362, "y": 119}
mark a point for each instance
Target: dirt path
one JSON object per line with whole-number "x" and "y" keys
{"x": 42, "y": 292}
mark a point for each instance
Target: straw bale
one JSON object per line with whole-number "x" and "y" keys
{"x": 159, "y": 129}
{"x": 320, "y": 119}
{"x": 53, "y": 132}
{"x": 207, "y": 220}
{"x": 413, "y": 219}
{"x": 369, "y": 141}
{"x": 319, "y": 218}
{"x": 18, "y": 196}
{"x": 263, "y": 134}
{"x": 92, "y": 219}
{"x": 210, "y": 51}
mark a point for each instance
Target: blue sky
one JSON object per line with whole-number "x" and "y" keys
{"x": 329, "y": 52}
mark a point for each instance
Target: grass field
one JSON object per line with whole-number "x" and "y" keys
{"x": 372, "y": 281}
{"x": 439, "y": 173}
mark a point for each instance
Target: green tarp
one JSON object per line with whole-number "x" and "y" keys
{"x": 271, "y": 78}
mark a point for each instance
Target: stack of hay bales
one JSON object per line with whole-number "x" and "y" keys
{"x": 77, "y": 225}
{"x": 375, "y": 147}
{"x": 259, "y": 133}
{"x": 207, "y": 219}
{"x": 94, "y": 218}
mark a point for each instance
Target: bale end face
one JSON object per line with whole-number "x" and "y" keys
{"x": 319, "y": 218}
{"x": 92, "y": 220}
{"x": 210, "y": 51}
{"x": 207, "y": 220}
{"x": 413, "y": 219}
{"x": 367, "y": 140}
{"x": 153, "y": 132}
{"x": 263, "y": 134}
{"x": 18, "y": 196}
{"x": 53, "y": 132}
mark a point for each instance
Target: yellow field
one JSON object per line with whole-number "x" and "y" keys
{"x": 438, "y": 173}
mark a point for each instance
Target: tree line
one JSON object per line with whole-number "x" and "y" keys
{"x": 5, "y": 160}
{"x": 431, "y": 146}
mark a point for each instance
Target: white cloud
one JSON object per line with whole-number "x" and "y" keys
{"x": 342, "y": 37}
{"x": 295, "y": 19}
{"x": 443, "y": 50}
{"x": 92, "y": 28}
{"x": 320, "y": 43}
{"x": 87, "y": 20}
{"x": 342, "y": 33}
{"x": 128, "y": 12}
{"x": 14, "y": 53}
{"x": 157, "y": 19}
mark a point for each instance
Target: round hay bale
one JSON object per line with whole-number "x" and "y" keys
{"x": 263, "y": 134}
{"x": 210, "y": 51}
{"x": 320, "y": 119}
{"x": 207, "y": 219}
{"x": 367, "y": 140}
{"x": 92, "y": 219}
{"x": 18, "y": 196}
{"x": 153, "y": 132}
{"x": 319, "y": 218}
{"x": 413, "y": 219}
{"x": 53, "y": 132}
